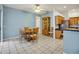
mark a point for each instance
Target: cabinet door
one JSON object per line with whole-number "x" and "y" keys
{"x": 58, "y": 34}
{"x": 59, "y": 19}
{"x": 78, "y": 20}
{"x": 73, "y": 20}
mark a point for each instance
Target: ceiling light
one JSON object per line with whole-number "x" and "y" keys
{"x": 38, "y": 7}
{"x": 37, "y": 10}
{"x": 65, "y": 7}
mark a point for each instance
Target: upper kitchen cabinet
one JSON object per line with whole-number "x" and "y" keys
{"x": 73, "y": 21}
{"x": 59, "y": 19}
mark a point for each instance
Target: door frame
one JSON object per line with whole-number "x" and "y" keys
{"x": 40, "y": 23}
{"x": 1, "y": 23}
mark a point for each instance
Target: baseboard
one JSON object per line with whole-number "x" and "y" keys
{"x": 11, "y": 37}
{"x": 1, "y": 43}
{"x": 64, "y": 53}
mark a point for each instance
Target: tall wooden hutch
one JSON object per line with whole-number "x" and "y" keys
{"x": 46, "y": 26}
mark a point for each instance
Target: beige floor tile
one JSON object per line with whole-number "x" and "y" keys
{"x": 43, "y": 45}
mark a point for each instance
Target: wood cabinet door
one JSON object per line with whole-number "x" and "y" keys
{"x": 59, "y": 19}
{"x": 58, "y": 34}
{"x": 78, "y": 20}
{"x": 73, "y": 20}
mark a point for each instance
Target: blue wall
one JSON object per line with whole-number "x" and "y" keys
{"x": 16, "y": 19}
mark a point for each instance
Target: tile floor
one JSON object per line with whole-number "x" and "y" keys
{"x": 44, "y": 45}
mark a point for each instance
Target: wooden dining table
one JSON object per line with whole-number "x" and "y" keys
{"x": 29, "y": 34}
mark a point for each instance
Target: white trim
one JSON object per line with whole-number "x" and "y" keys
{"x": 1, "y": 23}
{"x": 64, "y": 53}
{"x": 1, "y": 43}
{"x": 12, "y": 37}
{"x": 53, "y": 25}
{"x": 36, "y": 23}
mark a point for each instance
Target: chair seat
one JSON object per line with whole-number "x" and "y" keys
{"x": 33, "y": 35}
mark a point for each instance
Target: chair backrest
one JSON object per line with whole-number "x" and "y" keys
{"x": 25, "y": 28}
{"x": 29, "y": 31}
{"x": 35, "y": 30}
{"x": 22, "y": 31}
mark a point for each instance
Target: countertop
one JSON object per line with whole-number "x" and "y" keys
{"x": 72, "y": 29}
{"x": 75, "y": 26}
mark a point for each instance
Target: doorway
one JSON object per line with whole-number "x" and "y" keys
{"x": 38, "y": 23}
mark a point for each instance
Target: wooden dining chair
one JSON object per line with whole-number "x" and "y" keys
{"x": 34, "y": 34}
{"x": 35, "y": 30}
{"x": 29, "y": 34}
{"x": 22, "y": 32}
{"x": 25, "y": 28}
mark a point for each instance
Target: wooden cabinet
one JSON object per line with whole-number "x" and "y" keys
{"x": 59, "y": 19}
{"x": 58, "y": 31}
{"x": 58, "y": 34}
{"x": 73, "y": 20}
{"x": 46, "y": 26}
{"x": 78, "y": 20}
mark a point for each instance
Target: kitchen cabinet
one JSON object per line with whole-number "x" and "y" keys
{"x": 59, "y": 19}
{"x": 73, "y": 21}
{"x": 58, "y": 34}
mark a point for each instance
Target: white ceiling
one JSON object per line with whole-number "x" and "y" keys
{"x": 48, "y": 7}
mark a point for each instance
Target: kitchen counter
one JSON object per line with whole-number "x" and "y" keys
{"x": 71, "y": 40}
{"x": 75, "y": 26}
{"x": 72, "y": 29}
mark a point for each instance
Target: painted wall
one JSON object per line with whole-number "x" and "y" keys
{"x": 71, "y": 42}
{"x": 14, "y": 20}
{"x": 73, "y": 13}
{"x": 57, "y": 13}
